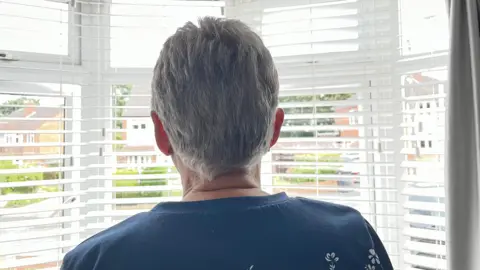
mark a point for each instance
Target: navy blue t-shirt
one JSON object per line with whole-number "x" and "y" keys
{"x": 246, "y": 233}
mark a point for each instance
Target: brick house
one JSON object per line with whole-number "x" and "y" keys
{"x": 26, "y": 126}
{"x": 346, "y": 121}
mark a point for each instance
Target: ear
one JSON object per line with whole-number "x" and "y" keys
{"x": 277, "y": 126}
{"x": 161, "y": 136}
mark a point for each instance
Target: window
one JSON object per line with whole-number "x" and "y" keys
{"x": 304, "y": 48}
{"x": 424, "y": 249}
{"x": 355, "y": 133}
{"x": 322, "y": 59}
{"x": 152, "y": 22}
{"x": 329, "y": 34}
{"x": 13, "y": 138}
{"x": 139, "y": 164}
{"x": 30, "y": 138}
{"x": 51, "y": 24}
{"x": 44, "y": 22}
{"x": 353, "y": 119}
{"x": 424, "y": 27}
{"x": 38, "y": 178}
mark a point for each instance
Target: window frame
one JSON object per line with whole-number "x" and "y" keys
{"x": 73, "y": 56}
{"x": 71, "y": 148}
{"x": 113, "y": 76}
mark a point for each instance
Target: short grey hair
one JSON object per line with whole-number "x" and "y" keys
{"x": 215, "y": 89}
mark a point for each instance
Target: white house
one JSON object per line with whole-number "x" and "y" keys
{"x": 139, "y": 147}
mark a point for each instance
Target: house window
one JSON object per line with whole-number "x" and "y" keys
{"x": 144, "y": 126}
{"x": 13, "y": 138}
{"x": 422, "y": 144}
{"x": 353, "y": 120}
{"x": 135, "y": 126}
{"x": 8, "y": 138}
{"x": 30, "y": 138}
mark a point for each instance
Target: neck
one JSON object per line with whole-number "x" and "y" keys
{"x": 224, "y": 186}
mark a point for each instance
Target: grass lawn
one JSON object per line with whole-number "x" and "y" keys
{"x": 21, "y": 203}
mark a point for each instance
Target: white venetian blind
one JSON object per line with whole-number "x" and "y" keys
{"x": 39, "y": 134}
{"x": 422, "y": 75}
{"x": 134, "y": 175}
{"x": 362, "y": 85}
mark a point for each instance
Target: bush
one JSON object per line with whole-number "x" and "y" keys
{"x": 317, "y": 157}
{"x": 52, "y": 175}
{"x": 8, "y": 165}
{"x": 142, "y": 182}
{"x": 309, "y": 171}
{"x": 304, "y": 170}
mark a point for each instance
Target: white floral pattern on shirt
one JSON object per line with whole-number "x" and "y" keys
{"x": 373, "y": 260}
{"x": 332, "y": 259}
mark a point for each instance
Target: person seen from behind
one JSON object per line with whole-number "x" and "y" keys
{"x": 215, "y": 113}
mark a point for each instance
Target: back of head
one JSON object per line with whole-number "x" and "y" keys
{"x": 215, "y": 89}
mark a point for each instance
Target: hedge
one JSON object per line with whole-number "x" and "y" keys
{"x": 309, "y": 171}
{"x": 142, "y": 182}
{"x": 8, "y": 165}
{"x": 318, "y": 157}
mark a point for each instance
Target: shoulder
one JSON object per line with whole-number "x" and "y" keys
{"x": 334, "y": 221}
{"x": 353, "y": 235}
{"x": 340, "y": 214}
{"x": 88, "y": 253}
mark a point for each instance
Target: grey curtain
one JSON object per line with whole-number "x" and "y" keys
{"x": 463, "y": 137}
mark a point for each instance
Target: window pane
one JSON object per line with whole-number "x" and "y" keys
{"x": 424, "y": 26}
{"x": 139, "y": 31}
{"x": 45, "y": 22}
{"x": 423, "y": 153}
{"x": 310, "y": 29}
{"x": 143, "y": 176}
{"x": 35, "y": 173}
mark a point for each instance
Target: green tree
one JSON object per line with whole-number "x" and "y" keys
{"x": 122, "y": 93}
{"x": 8, "y": 106}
